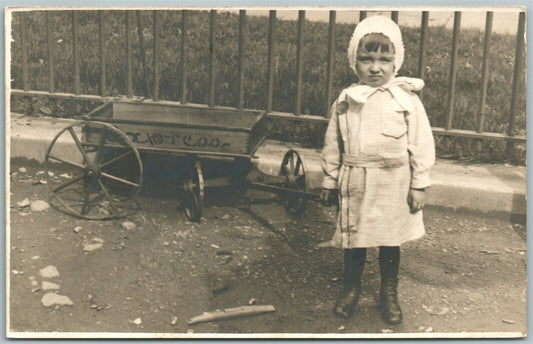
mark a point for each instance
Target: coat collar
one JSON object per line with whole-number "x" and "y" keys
{"x": 398, "y": 87}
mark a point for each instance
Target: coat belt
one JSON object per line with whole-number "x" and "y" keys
{"x": 373, "y": 162}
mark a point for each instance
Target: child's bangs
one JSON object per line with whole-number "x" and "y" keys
{"x": 374, "y": 42}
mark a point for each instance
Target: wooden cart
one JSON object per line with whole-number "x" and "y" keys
{"x": 103, "y": 177}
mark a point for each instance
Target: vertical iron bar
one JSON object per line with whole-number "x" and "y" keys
{"x": 242, "y": 42}
{"x": 101, "y": 35}
{"x": 394, "y": 16}
{"x": 50, "y": 49}
{"x": 129, "y": 58}
{"x": 453, "y": 70}
{"x": 183, "y": 56}
{"x": 143, "y": 52}
{"x": 76, "y": 50}
{"x": 516, "y": 76}
{"x": 485, "y": 71}
{"x": 270, "y": 71}
{"x": 155, "y": 96}
{"x": 331, "y": 57}
{"x": 212, "y": 28}
{"x": 422, "y": 51}
{"x": 299, "y": 61}
{"x": 24, "y": 47}
{"x": 362, "y": 15}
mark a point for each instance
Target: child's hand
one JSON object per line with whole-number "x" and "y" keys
{"x": 327, "y": 197}
{"x": 416, "y": 199}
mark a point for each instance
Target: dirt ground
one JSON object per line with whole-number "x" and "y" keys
{"x": 468, "y": 274}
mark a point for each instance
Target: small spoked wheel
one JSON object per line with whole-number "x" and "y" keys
{"x": 194, "y": 190}
{"x": 292, "y": 168}
{"x": 94, "y": 171}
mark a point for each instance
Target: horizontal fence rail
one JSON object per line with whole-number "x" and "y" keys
{"x": 103, "y": 25}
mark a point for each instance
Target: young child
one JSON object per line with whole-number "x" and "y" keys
{"x": 378, "y": 151}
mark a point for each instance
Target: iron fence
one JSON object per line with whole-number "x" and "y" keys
{"x": 447, "y": 130}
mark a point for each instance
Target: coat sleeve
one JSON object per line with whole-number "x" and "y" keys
{"x": 421, "y": 145}
{"x": 331, "y": 153}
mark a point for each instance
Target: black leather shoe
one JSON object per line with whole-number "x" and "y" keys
{"x": 345, "y": 306}
{"x": 389, "y": 306}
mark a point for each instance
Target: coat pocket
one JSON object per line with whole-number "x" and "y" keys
{"x": 393, "y": 124}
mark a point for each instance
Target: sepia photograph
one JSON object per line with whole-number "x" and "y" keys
{"x": 232, "y": 172}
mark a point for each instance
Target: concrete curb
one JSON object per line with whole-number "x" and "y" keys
{"x": 486, "y": 188}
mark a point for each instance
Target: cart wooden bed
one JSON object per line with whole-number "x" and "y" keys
{"x": 103, "y": 182}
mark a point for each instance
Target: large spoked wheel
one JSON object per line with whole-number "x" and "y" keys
{"x": 94, "y": 171}
{"x": 194, "y": 190}
{"x": 293, "y": 169}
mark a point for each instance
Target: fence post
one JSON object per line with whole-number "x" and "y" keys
{"x": 299, "y": 61}
{"x": 143, "y": 52}
{"x": 50, "y": 48}
{"x": 485, "y": 71}
{"x": 101, "y": 44}
{"x": 24, "y": 53}
{"x": 394, "y": 16}
{"x": 516, "y": 77}
{"x": 453, "y": 70}
{"x": 270, "y": 71}
{"x": 422, "y": 51}
{"x": 331, "y": 57}
{"x": 242, "y": 42}
{"x": 76, "y": 56}
{"x": 212, "y": 56}
{"x": 155, "y": 96}
{"x": 129, "y": 63}
{"x": 183, "y": 56}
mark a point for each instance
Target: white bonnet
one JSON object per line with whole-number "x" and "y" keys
{"x": 377, "y": 24}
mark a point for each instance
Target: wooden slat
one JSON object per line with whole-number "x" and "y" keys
{"x": 485, "y": 72}
{"x": 50, "y": 50}
{"x": 129, "y": 57}
{"x": 331, "y": 61}
{"x": 271, "y": 49}
{"x": 453, "y": 69}
{"x": 184, "y": 48}
{"x": 59, "y": 95}
{"x": 76, "y": 50}
{"x": 242, "y": 43}
{"x": 155, "y": 95}
{"x": 212, "y": 57}
{"x": 101, "y": 44}
{"x": 299, "y": 61}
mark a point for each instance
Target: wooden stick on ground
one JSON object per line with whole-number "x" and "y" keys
{"x": 232, "y": 313}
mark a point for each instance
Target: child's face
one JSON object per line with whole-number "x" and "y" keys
{"x": 374, "y": 68}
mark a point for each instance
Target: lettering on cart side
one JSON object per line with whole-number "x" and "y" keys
{"x": 155, "y": 139}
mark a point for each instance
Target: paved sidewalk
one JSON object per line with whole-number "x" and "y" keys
{"x": 488, "y": 188}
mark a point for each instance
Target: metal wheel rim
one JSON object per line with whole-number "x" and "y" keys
{"x": 291, "y": 166}
{"x": 94, "y": 166}
{"x": 195, "y": 191}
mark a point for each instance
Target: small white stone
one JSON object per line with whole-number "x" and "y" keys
{"x": 49, "y": 272}
{"x": 128, "y": 225}
{"x": 77, "y": 229}
{"x": 50, "y": 299}
{"x": 252, "y": 301}
{"x": 39, "y": 206}
{"x": 225, "y": 217}
{"x": 137, "y": 321}
{"x": 45, "y": 285}
{"x": 342, "y": 328}
{"x": 35, "y": 257}
{"x": 174, "y": 320}
{"x": 24, "y": 203}
{"x": 95, "y": 244}
{"x": 22, "y": 170}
